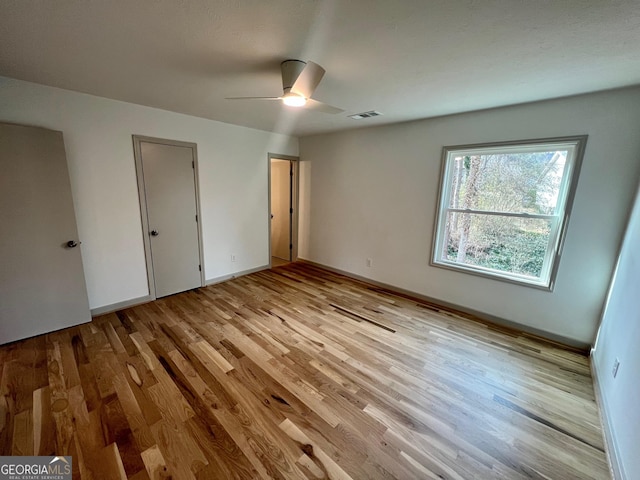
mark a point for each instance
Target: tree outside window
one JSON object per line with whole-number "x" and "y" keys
{"x": 504, "y": 208}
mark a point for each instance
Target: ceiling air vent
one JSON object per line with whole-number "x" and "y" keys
{"x": 360, "y": 116}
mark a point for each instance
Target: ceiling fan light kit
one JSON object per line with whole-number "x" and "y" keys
{"x": 299, "y": 81}
{"x": 293, "y": 100}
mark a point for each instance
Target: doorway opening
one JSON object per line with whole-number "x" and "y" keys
{"x": 283, "y": 209}
{"x": 167, "y": 173}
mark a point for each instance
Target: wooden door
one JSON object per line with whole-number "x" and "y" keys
{"x": 172, "y": 215}
{"x": 42, "y": 285}
{"x": 281, "y": 176}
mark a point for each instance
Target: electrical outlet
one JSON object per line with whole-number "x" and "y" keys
{"x": 369, "y": 262}
{"x": 616, "y": 365}
{"x": 233, "y": 257}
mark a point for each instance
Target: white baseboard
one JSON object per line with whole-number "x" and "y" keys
{"x": 610, "y": 444}
{"x": 224, "y": 278}
{"x": 114, "y": 307}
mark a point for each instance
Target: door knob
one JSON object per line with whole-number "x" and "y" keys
{"x": 154, "y": 233}
{"x": 72, "y": 244}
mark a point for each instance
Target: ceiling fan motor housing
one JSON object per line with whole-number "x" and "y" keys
{"x": 291, "y": 70}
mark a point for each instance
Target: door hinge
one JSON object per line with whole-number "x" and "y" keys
{"x": 199, "y": 268}
{"x": 291, "y": 210}
{"x": 196, "y": 218}
{"x": 291, "y": 246}
{"x": 193, "y": 164}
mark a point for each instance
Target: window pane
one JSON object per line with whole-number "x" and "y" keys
{"x": 526, "y": 182}
{"x": 507, "y": 244}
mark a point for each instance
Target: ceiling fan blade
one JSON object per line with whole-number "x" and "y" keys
{"x": 253, "y": 98}
{"x": 321, "y": 107}
{"x": 308, "y": 80}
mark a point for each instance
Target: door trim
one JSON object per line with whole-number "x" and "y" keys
{"x": 294, "y": 202}
{"x": 137, "y": 153}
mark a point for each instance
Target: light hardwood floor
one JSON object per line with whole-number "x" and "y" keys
{"x": 299, "y": 373}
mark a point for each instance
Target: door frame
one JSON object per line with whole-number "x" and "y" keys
{"x": 295, "y": 182}
{"x": 137, "y": 153}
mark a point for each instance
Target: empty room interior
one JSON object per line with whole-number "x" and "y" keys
{"x": 304, "y": 239}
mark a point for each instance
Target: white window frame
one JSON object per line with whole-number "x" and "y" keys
{"x": 559, "y": 219}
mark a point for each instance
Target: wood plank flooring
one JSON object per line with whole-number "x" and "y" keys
{"x": 298, "y": 373}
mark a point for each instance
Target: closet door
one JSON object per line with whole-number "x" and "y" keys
{"x": 42, "y": 286}
{"x": 170, "y": 208}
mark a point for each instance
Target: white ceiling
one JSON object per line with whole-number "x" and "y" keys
{"x": 408, "y": 59}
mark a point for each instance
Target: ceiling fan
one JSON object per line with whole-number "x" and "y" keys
{"x": 299, "y": 81}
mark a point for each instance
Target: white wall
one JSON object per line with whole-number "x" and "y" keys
{"x": 372, "y": 193}
{"x": 618, "y": 337}
{"x": 233, "y": 171}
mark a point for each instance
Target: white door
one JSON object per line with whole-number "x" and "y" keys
{"x": 42, "y": 286}
{"x": 172, "y": 215}
{"x": 281, "y": 176}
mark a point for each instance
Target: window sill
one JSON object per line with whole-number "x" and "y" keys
{"x": 522, "y": 280}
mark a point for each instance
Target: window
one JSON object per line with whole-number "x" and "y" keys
{"x": 504, "y": 208}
